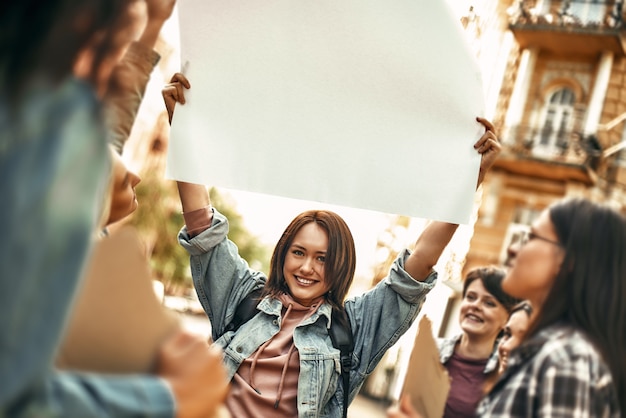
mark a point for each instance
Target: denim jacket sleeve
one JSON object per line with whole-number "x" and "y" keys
{"x": 222, "y": 278}
{"x": 53, "y": 172}
{"x": 382, "y": 315}
{"x": 88, "y": 395}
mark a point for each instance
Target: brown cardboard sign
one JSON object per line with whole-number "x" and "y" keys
{"x": 117, "y": 323}
{"x": 427, "y": 381}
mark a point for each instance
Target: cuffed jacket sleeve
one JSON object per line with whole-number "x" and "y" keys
{"x": 53, "y": 170}
{"x": 221, "y": 277}
{"x": 382, "y": 315}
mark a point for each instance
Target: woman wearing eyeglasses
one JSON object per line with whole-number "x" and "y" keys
{"x": 571, "y": 267}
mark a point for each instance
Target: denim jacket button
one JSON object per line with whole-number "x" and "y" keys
{"x": 239, "y": 349}
{"x": 275, "y": 322}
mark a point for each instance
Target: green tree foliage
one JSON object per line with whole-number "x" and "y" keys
{"x": 251, "y": 249}
{"x": 386, "y": 246}
{"x": 158, "y": 219}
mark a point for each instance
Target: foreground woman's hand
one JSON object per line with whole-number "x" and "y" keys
{"x": 195, "y": 373}
{"x": 404, "y": 409}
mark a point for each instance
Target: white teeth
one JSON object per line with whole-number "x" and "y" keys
{"x": 305, "y": 281}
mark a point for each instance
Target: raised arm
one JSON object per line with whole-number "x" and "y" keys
{"x": 158, "y": 13}
{"x": 436, "y": 236}
{"x": 192, "y": 196}
{"x": 128, "y": 81}
{"x": 174, "y": 92}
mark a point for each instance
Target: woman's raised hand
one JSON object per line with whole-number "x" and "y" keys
{"x": 489, "y": 146}
{"x": 195, "y": 372}
{"x": 174, "y": 92}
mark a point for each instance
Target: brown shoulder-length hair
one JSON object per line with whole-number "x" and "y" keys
{"x": 340, "y": 261}
{"x": 590, "y": 289}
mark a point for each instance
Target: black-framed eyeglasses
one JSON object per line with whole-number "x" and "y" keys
{"x": 527, "y": 235}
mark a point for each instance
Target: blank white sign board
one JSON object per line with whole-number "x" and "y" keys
{"x": 360, "y": 103}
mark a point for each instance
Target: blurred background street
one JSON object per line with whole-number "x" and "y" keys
{"x": 365, "y": 407}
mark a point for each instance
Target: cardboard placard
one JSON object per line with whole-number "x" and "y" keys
{"x": 427, "y": 381}
{"x": 117, "y": 323}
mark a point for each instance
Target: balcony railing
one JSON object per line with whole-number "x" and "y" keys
{"x": 570, "y": 14}
{"x": 562, "y": 146}
{"x": 580, "y": 27}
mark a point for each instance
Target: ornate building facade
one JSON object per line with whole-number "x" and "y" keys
{"x": 555, "y": 76}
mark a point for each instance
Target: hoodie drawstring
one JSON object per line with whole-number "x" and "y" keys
{"x": 282, "y": 377}
{"x": 258, "y": 353}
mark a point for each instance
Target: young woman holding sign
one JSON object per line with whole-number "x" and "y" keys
{"x": 282, "y": 361}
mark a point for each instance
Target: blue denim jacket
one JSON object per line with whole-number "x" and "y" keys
{"x": 53, "y": 173}
{"x": 378, "y": 319}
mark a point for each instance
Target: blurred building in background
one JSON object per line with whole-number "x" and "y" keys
{"x": 561, "y": 110}
{"x": 555, "y": 82}
{"x": 555, "y": 86}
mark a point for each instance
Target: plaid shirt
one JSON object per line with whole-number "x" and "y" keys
{"x": 556, "y": 373}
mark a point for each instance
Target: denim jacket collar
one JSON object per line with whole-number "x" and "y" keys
{"x": 272, "y": 306}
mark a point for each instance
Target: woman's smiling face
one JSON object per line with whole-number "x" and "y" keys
{"x": 304, "y": 264}
{"x": 482, "y": 315}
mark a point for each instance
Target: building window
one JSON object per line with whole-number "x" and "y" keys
{"x": 556, "y": 126}
{"x": 621, "y": 158}
{"x": 543, "y": 7}
{"x": 588, "y": 11}
{"x": 523, "y": 217}
{"x": 620, "y": 154}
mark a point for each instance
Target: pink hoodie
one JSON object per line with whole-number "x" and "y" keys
{"x": 266, "y": 383}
